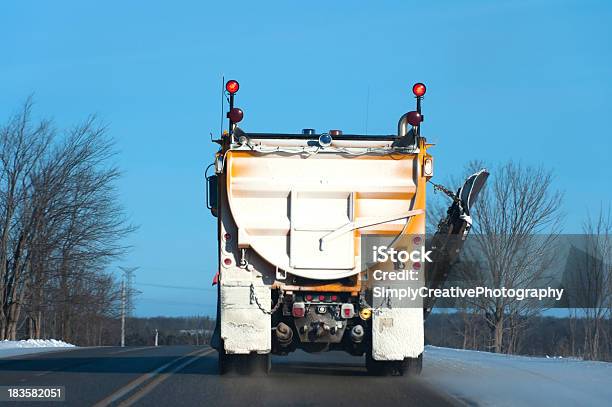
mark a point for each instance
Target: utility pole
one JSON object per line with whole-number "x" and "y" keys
{"x": 156, "y": 336}
{"x": 123, "y": 312}
{"x": 127, "y": 294}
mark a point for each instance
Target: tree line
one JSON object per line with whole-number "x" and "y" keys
{"x": 61, "y": 225}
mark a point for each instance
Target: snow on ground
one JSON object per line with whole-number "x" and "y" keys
{"x": 488, "y": 379}
{"x": 13, "y": 348}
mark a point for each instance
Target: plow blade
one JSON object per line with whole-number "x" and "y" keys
{"x": 448, "y": 240}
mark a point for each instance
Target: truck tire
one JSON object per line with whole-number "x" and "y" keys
{"x": 384, "y": 367}
{"x": 409, "y": 366}
{"x": 414, "y": 366}
{"x": 228, "y": 363}
{"x": 261, "y": 363}
{"x": 215, "y": 340}
{"x": 244, "y": 364}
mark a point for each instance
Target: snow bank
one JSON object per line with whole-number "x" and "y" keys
{"x": 13, "y": 348}
{"x": 489, "y": 379}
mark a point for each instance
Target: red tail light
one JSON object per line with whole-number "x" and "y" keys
{"x": 235, "y": 115}
{"x": 334, "y": 298}
{"x": 321, "y": 298}
{"x": 419, "y": 89}
{"x": 232, "y": 86}
{"x": 348, "y": 311}
{"x": 414, "y": 118}
{"x": 298, "y": 310}
{"x": 309, "y": 297}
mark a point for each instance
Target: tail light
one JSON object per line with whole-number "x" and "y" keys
{"x": 232, "y": 86}
{"x": 298, "y": 310}
{"x": 347, "y": 311}
{"x": 419, "y": 89}
{"x": 414, "y": 118}
{"x": 235, "y": 115}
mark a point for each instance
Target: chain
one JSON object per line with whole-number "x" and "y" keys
{"x": 384, "y": 303}
{"x": 448, "y": 193}
{"x": 254, "y": 300}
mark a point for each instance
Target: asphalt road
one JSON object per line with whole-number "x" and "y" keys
{"x": 187, "y": 376}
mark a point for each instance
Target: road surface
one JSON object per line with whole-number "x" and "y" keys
{"x": 187, "y": 376}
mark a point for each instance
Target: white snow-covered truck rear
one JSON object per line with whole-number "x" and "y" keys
{"x": 294, "y": 214}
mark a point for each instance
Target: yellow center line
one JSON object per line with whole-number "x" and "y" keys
{"x": 131, "y": 386}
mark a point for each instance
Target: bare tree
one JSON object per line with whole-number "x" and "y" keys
{"x": 22, "y": 145}
{"x": 589, "y": 279}
{"x": 60, "y": 225}
{"x": 517, "y": 220}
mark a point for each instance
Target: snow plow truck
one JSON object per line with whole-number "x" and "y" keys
{"x": 296, "y": 217}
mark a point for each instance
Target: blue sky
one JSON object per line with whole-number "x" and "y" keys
{"x": 523, "y": 80}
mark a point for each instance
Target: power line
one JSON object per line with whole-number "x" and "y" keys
{"x": 177, "y": 287}
{"x": 189, "y": 268}
{"x": 170, "y": 302}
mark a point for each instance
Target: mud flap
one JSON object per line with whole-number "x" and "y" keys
{"x": 244, "y": 327}
{"x": 397, "y": 333}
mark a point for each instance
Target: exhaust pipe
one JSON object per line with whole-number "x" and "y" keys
{"x": 284, "y": 334}
{"x": 402, "y": 126}
{"x": 405, "y": 134}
